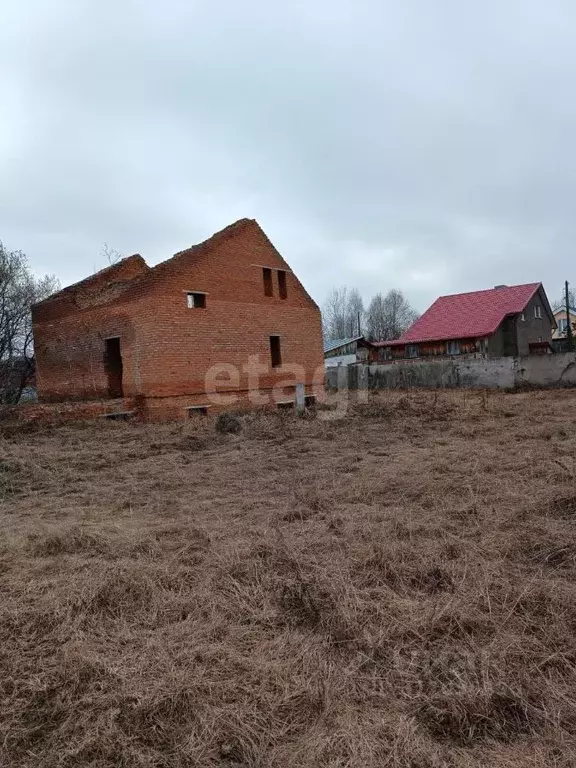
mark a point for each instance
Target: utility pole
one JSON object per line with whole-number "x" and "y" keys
{"x": 569, "y": 334}
{"x": 359, "y": 331}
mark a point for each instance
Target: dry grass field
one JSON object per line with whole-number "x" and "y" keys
{"x": 396, "y": 588}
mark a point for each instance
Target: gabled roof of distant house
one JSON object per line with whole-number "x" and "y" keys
{"x": 559, "y": 311}
{"x": 470, "y": 315}
{"x": 330, "y": 346}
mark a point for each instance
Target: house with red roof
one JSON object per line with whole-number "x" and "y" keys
{"x": 505, "y": 320}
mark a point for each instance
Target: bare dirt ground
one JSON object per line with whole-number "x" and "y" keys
{"x": 397, "y": 588}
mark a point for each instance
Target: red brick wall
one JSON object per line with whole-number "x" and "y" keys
{"x": 167, "y": 347}
{"x": 70, "y": 352}
{"x": 69, "y": 332}
{"x": 177, "y": 408}
{"x": 55, "y": 413}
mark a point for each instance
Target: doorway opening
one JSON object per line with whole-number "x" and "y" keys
{"x": 113, "y": 367}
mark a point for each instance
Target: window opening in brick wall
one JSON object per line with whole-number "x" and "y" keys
{"x": 196, "y": 300}
{"x": 196, "y": 410}
{"x": 275, "y": 352}
{"x": 282, "y": 286}
{"x": 267, "y": 277}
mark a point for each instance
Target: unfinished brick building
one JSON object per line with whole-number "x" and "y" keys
{"x": 134, "y": 334}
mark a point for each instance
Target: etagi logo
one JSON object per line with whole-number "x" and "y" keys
{"x": 226, "y": 385}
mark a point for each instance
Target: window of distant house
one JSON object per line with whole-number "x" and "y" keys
{"x": 196, "y": 300}
{"x": 453, "y": 347}
{"x": 385, "y": 353}
{"x": 412, "y": 350}
{"x": 282, "y": 287}
{"x": 267, "y": 277}
{"x": 522, "y": 317}
{"x": 275, "y": 352}
{"x": 562, "y": 325}
{"x": 537, "y": 311}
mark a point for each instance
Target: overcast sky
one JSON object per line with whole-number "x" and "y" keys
{"x": 427, "y": 145}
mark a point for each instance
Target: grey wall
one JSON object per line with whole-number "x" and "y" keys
{"x": 547, "y": 370}
{"x": 514, "y": 335}
{"x": 491, "y": 373}
{"x": 481, "y": 373}
{"x": 496, "y": 344}
{"x": 532, "y": 328}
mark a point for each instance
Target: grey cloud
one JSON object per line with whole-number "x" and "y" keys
{"x": 419, "y": 145}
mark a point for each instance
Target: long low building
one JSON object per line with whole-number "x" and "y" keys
{"x": 346, "y": 351}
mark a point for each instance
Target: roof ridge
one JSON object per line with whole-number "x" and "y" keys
{"x": 198, "y": 248}
{"x": 221, "y": 234}
{"x": 487, "y": 290}
{"x": 471, "y": 314}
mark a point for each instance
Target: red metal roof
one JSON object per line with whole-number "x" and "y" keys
{"x": 469, "y": 315}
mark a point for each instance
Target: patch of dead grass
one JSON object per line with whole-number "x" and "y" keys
{"x": 395, "y": 588}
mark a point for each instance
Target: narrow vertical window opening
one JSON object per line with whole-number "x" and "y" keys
{"x": 113, "y": 367}
{"x": 282, "y": 285}
{"x": 275, "y": 352}
{"x": 267, "y": 277}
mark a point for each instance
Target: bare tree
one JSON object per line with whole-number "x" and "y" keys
{"x": 19, "y": 289}
{"x": 561, "y": 302}
{"x": 109, "y": 254}
{"x": 389, "y": 316}
{"x": 376, "y": 323}
{"x": 341, "y": 312}
{"x": 355, "y": 312}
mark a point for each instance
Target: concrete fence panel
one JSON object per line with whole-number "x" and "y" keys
{"x": 478, "y": 373}
{"x": 547, "y": 370}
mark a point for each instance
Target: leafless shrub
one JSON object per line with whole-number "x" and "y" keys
{"x": 269, "y": 424}
{"x": 228, "y": 423}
